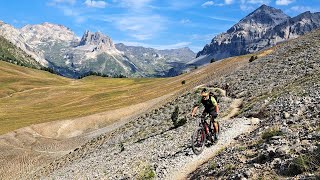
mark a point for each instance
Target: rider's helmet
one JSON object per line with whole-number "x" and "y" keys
{"x": 204, "y": 92}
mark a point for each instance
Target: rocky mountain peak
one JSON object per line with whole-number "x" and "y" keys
{"x": 266, "y": 15}
{"x": 47, "y": 32}
{"x": 96, "y": 38}
{"x": 264, "y": 27}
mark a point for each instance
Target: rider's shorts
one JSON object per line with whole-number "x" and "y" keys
{"x": 213, "y": 114}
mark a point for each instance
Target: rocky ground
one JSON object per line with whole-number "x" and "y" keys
{"x": 149, "y": 145}
{"x": 281, "y": 89}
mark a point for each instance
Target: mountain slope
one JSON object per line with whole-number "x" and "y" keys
{"x": 157, "y": 62}
{"x": 282, "y": 89}
{"x": 263, "y": 28}
{"x": 14, "y": 36}
{"x": 12, "y": 54}
{"x": 246, "y": 31}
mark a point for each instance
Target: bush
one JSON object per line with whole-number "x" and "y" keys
{"x": 121, "y": 147}
{"x": 309, "y": 162}
{"x": 183, "y": 82}
{"x": 174, "y": 116}
{"x": 270, "y": 133}
{"x": 212, "y": 60}
{"x": 252, "y": 58}
{"x": 181, "y": 122}
{"x": 147, "y": 173}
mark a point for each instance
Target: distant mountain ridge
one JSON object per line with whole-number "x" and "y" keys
{"x": 59, "y": 48}
{"x": 163, "y": 62}
{"x": 263, "y": 28}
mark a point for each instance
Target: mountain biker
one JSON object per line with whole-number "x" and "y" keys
{"x": 210, "y": 107}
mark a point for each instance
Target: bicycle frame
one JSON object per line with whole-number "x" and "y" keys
{"x": 207, "y": 126}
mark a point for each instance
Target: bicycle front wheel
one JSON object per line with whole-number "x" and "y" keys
{"x": 198, "y": 140}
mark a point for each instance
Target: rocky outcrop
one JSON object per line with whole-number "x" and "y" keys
{"x": 96, "y": 38}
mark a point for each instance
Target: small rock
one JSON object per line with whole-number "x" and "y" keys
{"x": 276, "y": 137}
{"x": 254, "y": 121}
{"x": 257, "y": 165}
{"x": 305, "y": 142}
{"x": 286, "y": 115}
{"x": 283, "y": 150}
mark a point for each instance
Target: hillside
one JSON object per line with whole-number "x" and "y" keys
{"x": 281, "y": 89}
{"x": 12, "y": 54}
{"x": 44, "y": 97}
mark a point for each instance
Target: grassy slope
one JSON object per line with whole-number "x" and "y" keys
{"x": 29, "y": 96}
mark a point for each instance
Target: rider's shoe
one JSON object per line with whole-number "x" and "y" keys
{"x": 215, "y": 137}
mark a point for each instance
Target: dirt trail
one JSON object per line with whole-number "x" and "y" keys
{"x": 225, "y": 139}
{"x": 234, "y": 109}
{"x": 39, "y": 144}
{"x": 239, "y": 126}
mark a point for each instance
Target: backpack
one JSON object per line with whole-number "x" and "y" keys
{"x": 211, "y": 94}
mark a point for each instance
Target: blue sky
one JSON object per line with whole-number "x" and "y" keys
{"x": 161, "y": 24}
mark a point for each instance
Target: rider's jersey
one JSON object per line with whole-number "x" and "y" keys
{"x": 209, "y": 104}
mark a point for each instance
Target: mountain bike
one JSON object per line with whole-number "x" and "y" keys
{"x": 202, "y": 134}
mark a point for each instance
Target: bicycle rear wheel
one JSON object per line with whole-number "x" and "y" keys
{"x": 198, "y": 140}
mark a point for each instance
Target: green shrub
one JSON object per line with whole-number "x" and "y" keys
{"x": 174, "y": 116}
{"x": 183, "y": 82}
{"x": 270, "y": 133}
{"x": 252, "y": 58}
{"x": 147, "y": 173}
{"x": 213, "y": 165}
{"x": 181, "y": 122}
{"x": 121, "y": 147}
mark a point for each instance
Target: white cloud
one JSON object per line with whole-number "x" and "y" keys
{"x": 140, "y": 27}
{"x": 156, "y": 46}
{"x": 95, "y": 4}
{"x": 223, "y": 18}
{"x": 284, "y": 2}
{"x": 258, "y": 1}
{"x": 248, "y": 5}
{"x": 185, "y": 21}
{"x": 179, "y": 4}
{"x": 228, "y": 1}
{"x": 301, "y": 9}
{"x": 208, "y": 3}
{"x": 133, "y": 4}
{"x": 56, "y": 2}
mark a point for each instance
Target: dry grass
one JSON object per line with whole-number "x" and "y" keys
{"x": 29, "y": 96}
